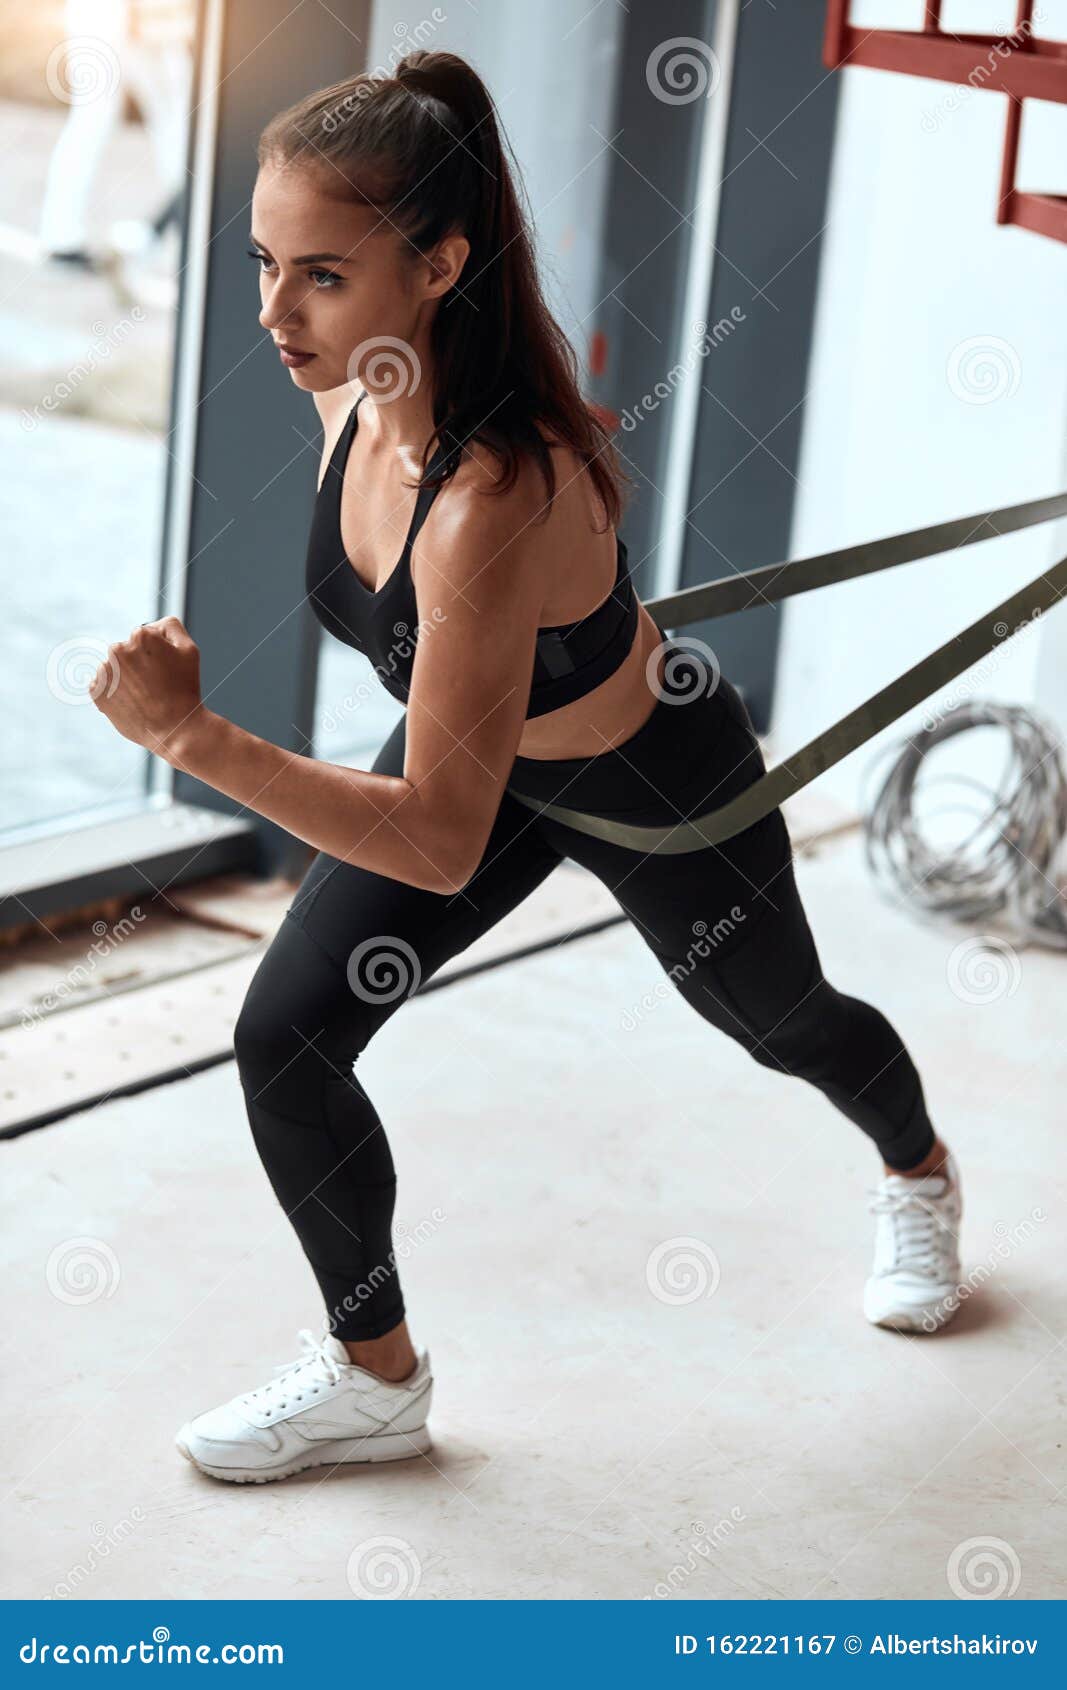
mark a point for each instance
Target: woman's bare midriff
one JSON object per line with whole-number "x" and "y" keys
{"x": 609, "y": 714}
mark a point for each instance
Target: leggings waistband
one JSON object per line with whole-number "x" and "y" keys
{"x": 648, "y": 772}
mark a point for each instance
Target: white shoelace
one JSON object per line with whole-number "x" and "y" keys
{"x": 311, "y": 1370}
{"x": 922, "y": 1236}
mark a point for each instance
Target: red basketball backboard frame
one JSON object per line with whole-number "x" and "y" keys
{"x": 1020, "y": 65}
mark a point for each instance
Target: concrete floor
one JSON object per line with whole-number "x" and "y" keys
{"x": 592, "y": 1439}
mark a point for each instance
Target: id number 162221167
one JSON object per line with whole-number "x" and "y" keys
{"x": 740, "y": 1643}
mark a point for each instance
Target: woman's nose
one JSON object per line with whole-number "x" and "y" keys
{"x": 272, "y": 318}
{"x": 278, "y": 308}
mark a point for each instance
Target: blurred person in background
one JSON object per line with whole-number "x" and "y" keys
{"x": 111, "y": 48}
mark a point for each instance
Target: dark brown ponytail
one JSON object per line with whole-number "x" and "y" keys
{"x": 424, "y": 147}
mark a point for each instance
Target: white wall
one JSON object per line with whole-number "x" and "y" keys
{"x": 896, "y": 433}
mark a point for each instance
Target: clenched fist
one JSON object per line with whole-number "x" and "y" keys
{"x": 149, "y": 685}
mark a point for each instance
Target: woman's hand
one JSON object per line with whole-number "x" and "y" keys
{"x": 149, "y": 686}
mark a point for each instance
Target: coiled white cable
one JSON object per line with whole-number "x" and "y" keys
{"x": 1007, "y": 863}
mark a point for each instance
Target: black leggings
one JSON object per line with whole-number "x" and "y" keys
{"x": 726, "y": 924}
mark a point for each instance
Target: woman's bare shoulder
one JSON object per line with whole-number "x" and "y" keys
{"x": 551, "y": 528}
{"x": 483, "y": 466}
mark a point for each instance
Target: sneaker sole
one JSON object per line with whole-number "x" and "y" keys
{"x": 908, "y": 1320}
{"x": 899, "y": 1323}
{"x": 384, "y": 1446}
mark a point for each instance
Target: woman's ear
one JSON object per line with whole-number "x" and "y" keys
{"x": 448, "y": 261}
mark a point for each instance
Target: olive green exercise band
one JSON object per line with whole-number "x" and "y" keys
{"x": 776, "y": 581}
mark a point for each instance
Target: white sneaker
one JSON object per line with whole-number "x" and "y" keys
{"x": 321, "y": 1411}
{"x": 915, "y": 1275}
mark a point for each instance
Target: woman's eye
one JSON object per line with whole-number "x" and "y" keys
{"x": 329, "y": 278}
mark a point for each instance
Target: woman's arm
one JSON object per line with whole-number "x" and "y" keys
{"x": 478, "y": 570}
{"x": 374, "y": 820}
{"x": 479, "y": 600}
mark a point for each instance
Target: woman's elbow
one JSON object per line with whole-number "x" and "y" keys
{"x": 457, "y": 865}
{"x": 448, "y": 859}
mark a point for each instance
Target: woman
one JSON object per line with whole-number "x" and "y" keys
{"x": 464, "y": 537}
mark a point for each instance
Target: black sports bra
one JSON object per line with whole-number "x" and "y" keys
{"x": 571, "y": 658}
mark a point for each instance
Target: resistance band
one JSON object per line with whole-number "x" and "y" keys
{"x": 781, "y": 580}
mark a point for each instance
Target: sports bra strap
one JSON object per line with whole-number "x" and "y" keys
{"x": 425, "y": 498}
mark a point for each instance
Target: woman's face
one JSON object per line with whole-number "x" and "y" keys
{"x": 330, "y": 288}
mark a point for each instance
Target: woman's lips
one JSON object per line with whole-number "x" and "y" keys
{"x": 294, "y": 359}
